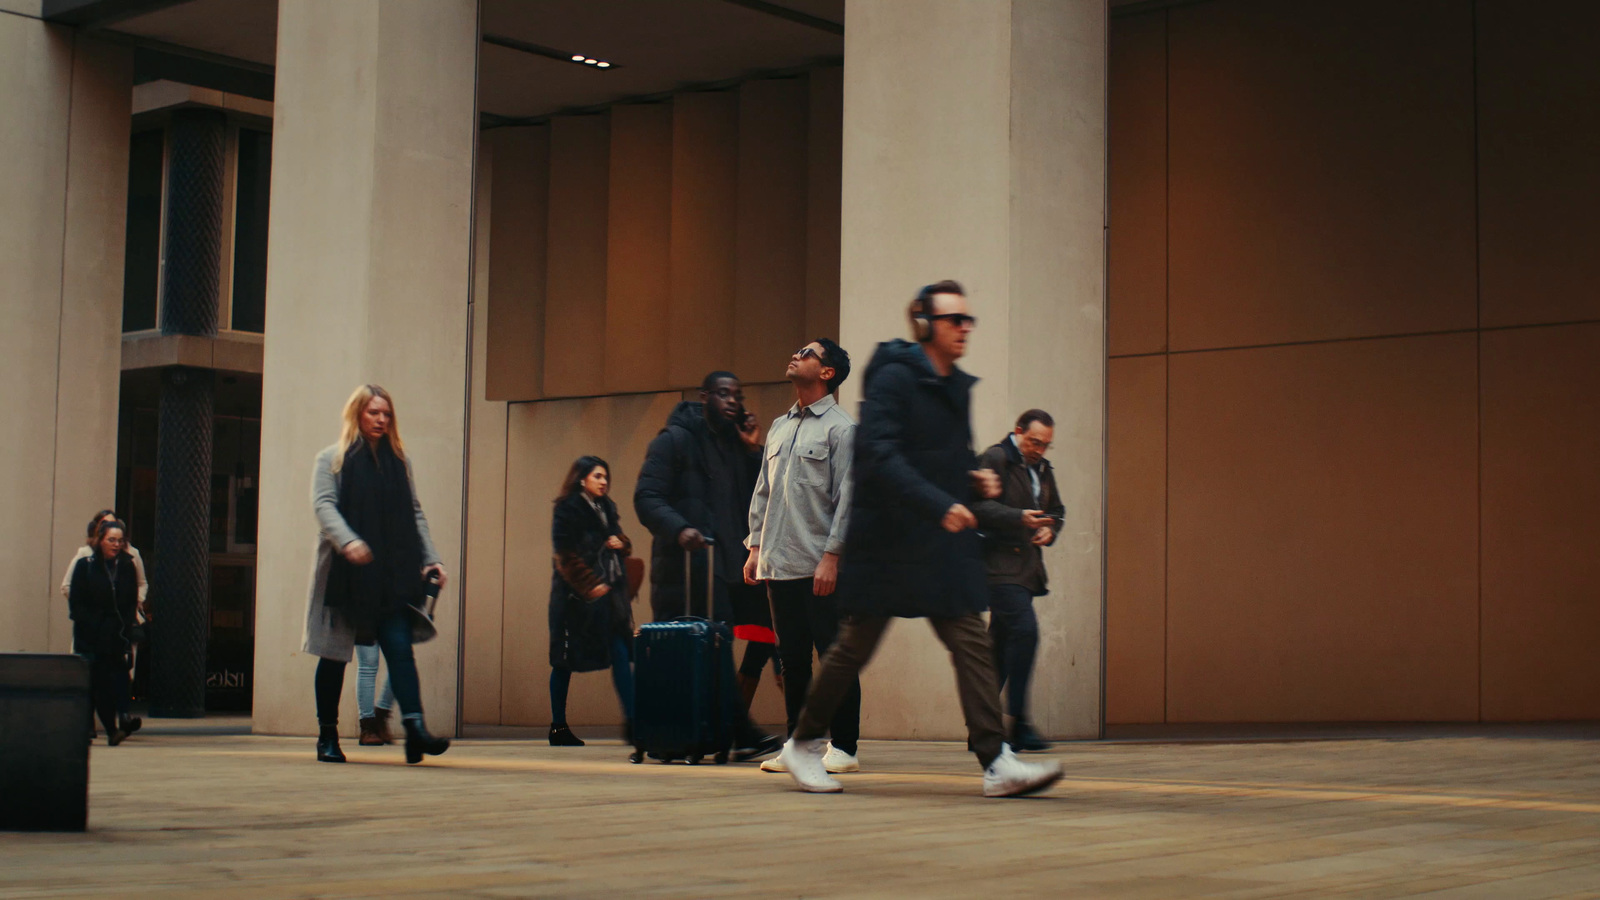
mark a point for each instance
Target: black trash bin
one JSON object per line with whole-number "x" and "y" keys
{"x": 44, "y": 742}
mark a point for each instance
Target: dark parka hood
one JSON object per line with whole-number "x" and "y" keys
{"x": 911, "y": 354}
{"x": 690, "y": 414}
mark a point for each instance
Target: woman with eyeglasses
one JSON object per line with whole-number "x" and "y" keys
{"x": 102, "y": 596}
{"x": 591, "y": 614}
{"x": 129, "y": 722}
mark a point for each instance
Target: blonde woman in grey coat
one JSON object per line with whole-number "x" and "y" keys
{"x": 373, "y": 555}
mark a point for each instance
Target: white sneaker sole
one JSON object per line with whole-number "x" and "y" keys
{"x": 842, "y": 770}
{"x": 774, "y": 765}
{"x": 1033, "y": 787}
{"x": 820, "y": 788}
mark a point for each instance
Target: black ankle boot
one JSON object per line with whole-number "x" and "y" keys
{"x": 562, "y": 736}
{"x": 328, "y": 745}
{"x": 1024, "y": 738}
{"x": 419, "y": 741}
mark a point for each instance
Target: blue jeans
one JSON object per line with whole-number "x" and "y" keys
{"x": 367, "y": 682}
{"x": 621, "y": 680}
{"x": 394, "y": 638}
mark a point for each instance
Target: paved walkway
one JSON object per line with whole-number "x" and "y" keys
{"x": 197, "y": 814}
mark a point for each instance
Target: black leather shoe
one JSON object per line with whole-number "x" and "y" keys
{"x": 1023, "y": 737}
{"x": 130, "y": 724}
{"x": 115, "y": 736}
{"x": 419, "y": 742}
{"x": 562, "y": 736}
{"x": 757, "y": 746}
{"x": 328, "y": 750}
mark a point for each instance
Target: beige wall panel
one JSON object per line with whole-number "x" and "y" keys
{"x": 36, "y": 64}
{"x": 1541, "y": 568}
{"x": 705, "y": 148}
{"x": 91, "y": 303}
{"x": 520, "y": 218}
{"x": 1321, "y": 166}
{"x": 1322, "y": 538}
{"x": 543, "y": 440}
{"x": 824, "y": 134}
{"x": 769, "y": 316}
{"x": 483, "y": 593}
{"x": 1136, "y": 541}
{"x": 35, "y": 9}
{"x": 575, "y": 292}
{"x": 637, "y": 292}
{"x": 1137, "y": 301}
{"x": 1539, "y": 137}
{"x": 369, "y": 281}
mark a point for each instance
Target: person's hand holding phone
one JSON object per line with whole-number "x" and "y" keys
{"x": 750, "y": 430}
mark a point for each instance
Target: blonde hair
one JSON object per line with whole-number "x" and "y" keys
{"x": 351, "y": 432}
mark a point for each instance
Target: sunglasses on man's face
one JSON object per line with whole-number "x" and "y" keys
{"x": 959, "y": 320}
{"x": 806, "y": 351}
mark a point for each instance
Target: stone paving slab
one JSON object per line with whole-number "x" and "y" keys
{"x": 177, "y": 814}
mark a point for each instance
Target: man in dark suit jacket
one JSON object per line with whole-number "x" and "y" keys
{"x": 1020, "y": 523}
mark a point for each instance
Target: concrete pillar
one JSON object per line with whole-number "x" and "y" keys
{"x": 181, "y": 566}
{"x": 64, "y": 192}
{"x": 974, "y": 149}
{"x": 368, "y": 280}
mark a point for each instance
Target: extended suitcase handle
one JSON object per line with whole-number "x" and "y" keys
{"x": 688, "y": 566}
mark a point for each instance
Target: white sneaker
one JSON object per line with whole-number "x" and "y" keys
{"x": 774, "y": 764}
{"x": 803, "y": 759}
{"x": 1008, "y": 776}
{"x": 838, "y": 762}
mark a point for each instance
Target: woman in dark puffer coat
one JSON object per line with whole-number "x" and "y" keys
{"x": 591, "y": 614}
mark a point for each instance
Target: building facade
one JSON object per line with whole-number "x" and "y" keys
{"x": 1302, "y": 284}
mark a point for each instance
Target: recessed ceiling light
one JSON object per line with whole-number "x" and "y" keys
{"x": 577, "y": 57}
{"x": 591, "y": 62}
{"x": 604, "y": 65}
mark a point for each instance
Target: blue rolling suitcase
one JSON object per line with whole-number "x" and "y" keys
{"x": 681, "y": 676}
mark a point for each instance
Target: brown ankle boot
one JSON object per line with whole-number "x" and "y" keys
{"x": 382, "y": 717}
{"x": 369, "y": 733}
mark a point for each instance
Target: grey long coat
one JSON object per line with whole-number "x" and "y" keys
{"x": 326, "y": 635}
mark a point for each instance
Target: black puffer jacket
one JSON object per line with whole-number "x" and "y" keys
{"x": 676, "y": 491}
{"x": 913, "y": 456}
{"x": 102, "y": 604}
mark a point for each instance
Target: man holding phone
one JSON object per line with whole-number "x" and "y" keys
{"x": 694, "y": 488}
{"x": 1023, "y": 520}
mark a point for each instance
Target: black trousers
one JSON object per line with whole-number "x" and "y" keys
{"x": 108, "y": 685}
{"x": 805, "y": 622}
{"x": 1014, "y": 630}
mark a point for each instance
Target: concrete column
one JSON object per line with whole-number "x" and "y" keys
{"x": 974, "y": 149}
{"x": 368, "y": 280}
{"x": 181, "y": 566}
{"x": 64, "y": 192}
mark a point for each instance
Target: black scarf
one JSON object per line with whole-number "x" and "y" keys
{"x": 375, "y": 499}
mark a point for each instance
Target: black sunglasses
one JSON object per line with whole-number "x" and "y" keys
{"x": 810, "y": 351}
{"x": 959, "y": 320}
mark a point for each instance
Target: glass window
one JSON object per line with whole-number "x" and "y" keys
{"x": 142, "y": 261}
{"x": 250, "y": 231}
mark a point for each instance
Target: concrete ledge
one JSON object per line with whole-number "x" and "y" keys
{"x": 158, "y": 95}
{"x": 231, "y": 351}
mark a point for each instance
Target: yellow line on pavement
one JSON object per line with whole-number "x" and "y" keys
{"x": 1082, "y": 784}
